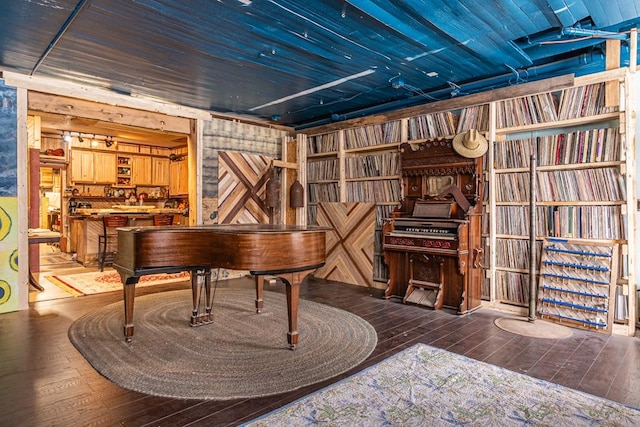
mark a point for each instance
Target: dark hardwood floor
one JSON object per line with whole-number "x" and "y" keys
{"x": 44, "y": 381}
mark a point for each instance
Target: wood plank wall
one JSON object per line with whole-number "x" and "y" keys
{"x": 349, "y": 243}
{"x": 242, "y": 179}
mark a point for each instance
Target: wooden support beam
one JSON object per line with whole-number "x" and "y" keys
{"x": 612, "y": 61}
{"x": 285, "y": 165}
{"x": 74, "y": 107}
{"x": 290, "y": 174}
{"x": 633, "y": 50}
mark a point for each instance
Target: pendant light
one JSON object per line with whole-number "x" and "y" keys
{"x": 296, "y": 195}
{"x": 273, "y": 190}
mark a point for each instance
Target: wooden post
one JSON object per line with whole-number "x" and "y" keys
{"x": 532, "y": 241}
{"x": 633, "y": 50}
{"x": 290, "y": 175}
{"x": 34, "y": 206}
{"x": 612, "y": 61}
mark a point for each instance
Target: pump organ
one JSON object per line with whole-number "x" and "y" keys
{"x": 432, "y": 243}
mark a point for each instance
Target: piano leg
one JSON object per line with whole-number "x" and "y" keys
{"x": 208, "y": 295}
{"x": 198, "y": 317}
{"x": 129, "y": 290}
{"x": 195, "y": 296}
{"x": 292, "y": 282}
{"x": 259, "y": 287}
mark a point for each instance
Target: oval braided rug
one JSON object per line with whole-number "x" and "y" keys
{"x": 242, "y": 354}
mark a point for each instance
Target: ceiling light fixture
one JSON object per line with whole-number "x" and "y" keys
{"x": 95, "y": 140}
{"x": 317, "y": 88}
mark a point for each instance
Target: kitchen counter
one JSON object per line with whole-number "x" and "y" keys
{"x": 86, "y": 225}
{"x": 128, "y": 210}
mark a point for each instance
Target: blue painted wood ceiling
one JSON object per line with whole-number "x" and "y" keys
{"x": 304, "y": 63}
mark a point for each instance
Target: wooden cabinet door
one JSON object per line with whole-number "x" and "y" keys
{"x": 179, "y": 177}
{"x": 160, "y": 171}
{"x": 141, "y": 173}
{"x": 183, "y": 187}
{"x": 104, "y": 168}
{"x": 174, "y": 177}
{"x": 81, "y": 166}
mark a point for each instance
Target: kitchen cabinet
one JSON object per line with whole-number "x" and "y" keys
{"x": 160, "y": 171}
{"x": 142, "y": 172}
{"x": 81, "y": 166}
{"x": 179, "y": 177}
{"x": 93, "y": 167}
{"x": 104, "y": 168}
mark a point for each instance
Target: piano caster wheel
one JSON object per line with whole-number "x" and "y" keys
{"x": 127, "y": 340}
{"x": 292, "y": 347}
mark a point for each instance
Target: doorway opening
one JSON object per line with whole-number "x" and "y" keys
{"x": 53, "y": 190}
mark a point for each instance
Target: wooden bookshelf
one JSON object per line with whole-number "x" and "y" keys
{"x": 582, "y": 174}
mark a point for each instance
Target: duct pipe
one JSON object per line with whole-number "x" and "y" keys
{"x": 584, "y": 32}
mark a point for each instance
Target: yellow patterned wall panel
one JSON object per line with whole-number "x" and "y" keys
{"x": 8, "y": 254}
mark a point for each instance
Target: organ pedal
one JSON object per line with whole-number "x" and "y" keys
{"x": 425, "y": 292}
{"x": 428, "y": 294}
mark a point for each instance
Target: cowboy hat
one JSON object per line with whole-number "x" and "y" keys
{"x": 470, "y": 144}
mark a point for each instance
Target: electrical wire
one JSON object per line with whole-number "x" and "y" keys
{"x": 419, "y": 91}
{"x": 517, "y": 73}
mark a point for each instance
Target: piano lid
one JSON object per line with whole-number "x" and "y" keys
{"x": 231, "y": 228}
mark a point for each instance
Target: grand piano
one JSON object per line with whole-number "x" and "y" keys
{"x": 432, "y": 242}
{"x": 287, "y": 252}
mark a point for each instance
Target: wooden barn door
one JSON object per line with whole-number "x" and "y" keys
{"x": 349, "y": 242}
{"x": 242, "y": 181}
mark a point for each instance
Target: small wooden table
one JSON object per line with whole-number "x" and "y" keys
{"x": 35, "y": 238}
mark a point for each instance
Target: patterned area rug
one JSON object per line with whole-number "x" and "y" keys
{"x": 426, "y": 386}
{"x": 108, "y": 281}
{"x": 242, "y": 354}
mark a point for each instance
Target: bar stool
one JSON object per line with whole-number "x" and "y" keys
{"x": 108, "y": 240}
{"x": 163, "y": 219}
